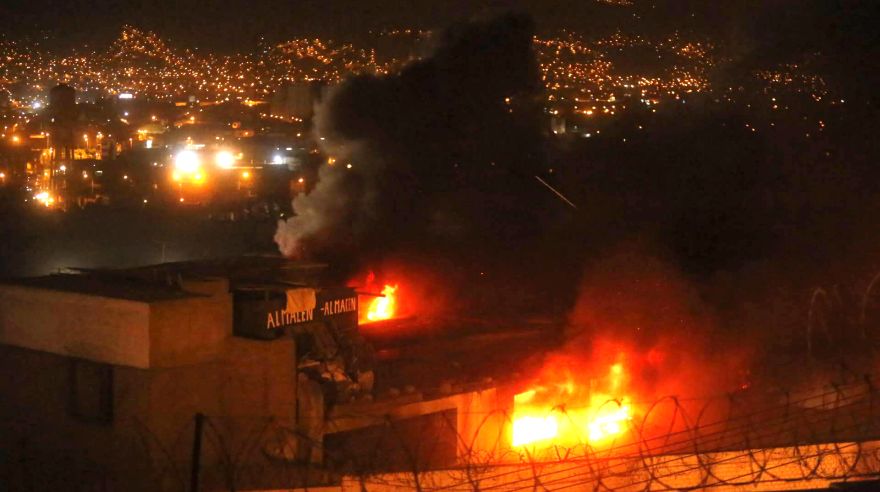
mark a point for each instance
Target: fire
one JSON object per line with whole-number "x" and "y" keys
{"x": 383, "y": 307}
{"x": 45, "y": 198}
{"x": 527, "y": 430}
{"x": 568, "y": 414}
{"x": 609, "y": 423}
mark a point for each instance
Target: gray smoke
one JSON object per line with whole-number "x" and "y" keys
{"x": 435, "y": 151}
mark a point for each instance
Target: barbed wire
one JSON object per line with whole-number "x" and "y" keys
{"x": 737, "y": 440}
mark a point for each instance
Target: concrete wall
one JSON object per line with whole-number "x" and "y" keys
{"x": 170, "y": 360}
{"x": 101, "y": 329}
{"x": 149, "y": 441}
{"x": 483, "y": 424}
{"x": 163, "y": 333}
{"x": 248, "y": 379}
{"x": 188, "y": 331}
{"x": 480, "y": 418}
{"x": 44, "y": 447}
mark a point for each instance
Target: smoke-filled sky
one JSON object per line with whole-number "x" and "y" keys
{"x": 442, "y": 154}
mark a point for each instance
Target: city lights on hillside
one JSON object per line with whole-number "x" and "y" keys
{"x": 575, "y": 69}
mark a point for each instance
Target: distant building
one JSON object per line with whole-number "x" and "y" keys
{"x": 63, "y": 114}
{"x": 62, "y": 103}
{"x": 558, "y": 125}
{"x": 297, "y": 100}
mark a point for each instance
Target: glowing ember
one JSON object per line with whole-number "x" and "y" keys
{"x": 555, "y": 415}
{"x": 383, "y": 307}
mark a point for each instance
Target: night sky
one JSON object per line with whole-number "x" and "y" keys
{"x": 239, "y": 24}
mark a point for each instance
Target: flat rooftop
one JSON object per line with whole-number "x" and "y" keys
{"x": 162, "y": 282}
{"x": 240, "y": 269}
{"x": 103, "y": 286}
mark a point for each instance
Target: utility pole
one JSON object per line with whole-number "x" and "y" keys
{"x": 196, "y": 453}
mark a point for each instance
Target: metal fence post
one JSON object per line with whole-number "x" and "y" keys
{"x": 196, "y": 453}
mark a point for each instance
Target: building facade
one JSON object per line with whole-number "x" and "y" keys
{"x": 245, "y": 374}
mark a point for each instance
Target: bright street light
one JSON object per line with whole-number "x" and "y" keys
{"x": 225, "y": 159}
{"x": 187, "y": 161}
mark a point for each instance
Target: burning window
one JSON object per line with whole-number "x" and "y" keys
{"x": 569, "y": 413}
{"x": 383, "y": 307}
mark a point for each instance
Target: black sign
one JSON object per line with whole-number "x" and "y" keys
{"x": 265, "y": 314}
{"x": 280, "y": 318}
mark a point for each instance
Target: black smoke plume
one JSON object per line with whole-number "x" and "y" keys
{"x": 439, "y": 155}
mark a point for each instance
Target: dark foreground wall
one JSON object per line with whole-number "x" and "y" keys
{"x": 71, "y": 424}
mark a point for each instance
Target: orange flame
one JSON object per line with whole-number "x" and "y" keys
{"x": 542, "y": 416}
{"x": 383, "y": 307}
